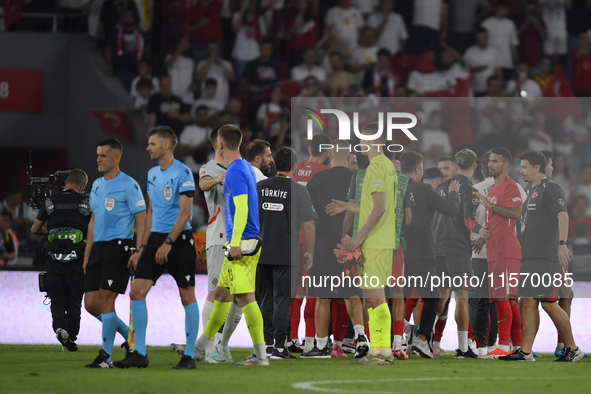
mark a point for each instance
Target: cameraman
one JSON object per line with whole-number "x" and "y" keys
{"x": 67, "y": 214}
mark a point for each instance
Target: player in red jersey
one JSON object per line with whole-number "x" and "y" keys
{"x": 503, "y": 250}
{"x": 305, "y": 171}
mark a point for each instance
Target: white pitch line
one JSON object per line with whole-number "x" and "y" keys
{"x": 312, "y": 386}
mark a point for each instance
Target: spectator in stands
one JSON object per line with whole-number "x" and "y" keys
{"x": 482, "y": 62}
{"x": 181, "y": 67}
{"x": 537, "y": 137}
{"x": 578, "y": 20}
{"x": 581, "y": 61}
{"x": 583, "y": 185}
{"x": 311, "y": 96}
{"x": 258, "y": 74}
{"x": 309, "y": 68}
{"x": 389, "y": 26}
{"x": 272, "y": 115}
{"x": 366, "y": 7}
{"x": 217, "y": 68}
{"x": 532, "y": 33}
{"x": 208, "y": 99}
{"x": 579, "y": 215}
{"x": 523, "y": 86}
{"x": 194, "y": 143}
{"x": 7, "y": 243}
{"x": 301, "y": 32}
{"x": 331, "y": 43}
{"x": 203, "y": 23}
{"x": 580, "y": 126}
{"x": 380, "y": 79}
{"x": 562, "y": 173}
{"x": 145, "y": 71}
{"x": 463, "y": 16}
{"x": 488, "y": 104}
{"x": 365, "y": 55}
{"x": 429, "y": 18}
{"x": 143, "y": 87}
{"x": 544, "y": 74}
{"x": 346, "y": 21}
{"x": 434, "y": 143}
{"x": 500, "y": 133}
{"x": 502, "y": 35}
{"x": 167, "y": 109}
{"x": 339, "y": 79}
{"x": 110, "y": 15}
{"x": 250, "y": 30}
{"x": 450, "y": 71}
{"x": 554, "y": 17}
{"x": 14, "y": 204}
{"x": 234, "y": 109}
{"x": 125, "y": 49}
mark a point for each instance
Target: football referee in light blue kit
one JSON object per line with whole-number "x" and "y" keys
{"x": 169, "y": 245}
{"x": 116, "y": 200}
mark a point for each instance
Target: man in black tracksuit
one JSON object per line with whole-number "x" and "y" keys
{"x": 453, "y": 248}
{"x": 419, "y": 255}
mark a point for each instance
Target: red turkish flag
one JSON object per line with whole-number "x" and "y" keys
{"x": 114, "y": 122}
{"x": 12, "y": 11}
{"x": 564, "y": 102}
{"x": 405, "y": 64}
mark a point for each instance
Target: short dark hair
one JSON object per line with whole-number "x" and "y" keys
{"x": 77, "y": 177}
{"x": 6, "y": 213}
{"x": 213, "y": 136}
{"x": 335, "y": 53}
{"x": 164, "y": 132}
{"x": 201, "y": 107}
{"x": 383, "y": 52}
{"x": 548, "y": 155}
{"x": 285, "y": 158}
{"x": 317, "y": 140}
{"x": 484, "y": 165}
{"x": 465, "y": 159}
{"x": 409, "y": 161}
{"x": 492, "y": 78}
{"x": 143, "y": 83}
{"x": 478, "y": 173}
{"x": 447, "y": 158}
{"x": 372, "y": 128}
{"x": 481, "y": 30}
{"x": 432, "y": 173}
{"x": 501, "y": 151}
{"x": 580, "y": 197}
{"x": 211, "y": 82}
{"x": 256, "y": 148}
{"x": 113, "y": 143}
{"x": 534, "y": 158}
{"x": 231, "y": 136}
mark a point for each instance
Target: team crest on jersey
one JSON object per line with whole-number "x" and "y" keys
{"x": 168, "y": 193}
{"x": 109, "y": 204}
{"x": 534, "y": 195}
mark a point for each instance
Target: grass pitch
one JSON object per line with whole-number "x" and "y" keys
{"x": 46, "y": 369}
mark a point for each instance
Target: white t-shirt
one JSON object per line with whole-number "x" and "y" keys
{"x": 475, "y": 57}
{"x": 301, "y": 72}
{"x": 530, "y": 87}
{"x": 482, "y": 103}
{"x": 363, "y": 55}
{"x": 540, "y": 140}
{"x": 217, "y": 72}
{"x": 554, "y": 17}
{"x": 502, "y": 34}
{"x": 134, "y": 92}
{"x": 394, "y": 31}
{"x": 365, "y": 6}
{"x": 181, "y": 77}
{"x": 346, "y": 23}
{"x": 246, "y": 46}
{"x": 191, "y": 136}
{"x": 267, "y": 112}
{"x": 258, "y": 174}
{"x": 435, "y": 139}
{"x": 482, "y": 188}
{"x": 427, "y": 13}
{"x": 436, "y": 81}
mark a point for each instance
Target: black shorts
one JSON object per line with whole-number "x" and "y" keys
{"x": 453, "y": 268}
{"x": 538, "y": 278}
{"x": 107, "y": 266}
{"x": 182, "y": 260}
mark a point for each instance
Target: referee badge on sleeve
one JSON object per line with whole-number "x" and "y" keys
{"x": 168, "y": 193}
{"x": 109, "y": 204}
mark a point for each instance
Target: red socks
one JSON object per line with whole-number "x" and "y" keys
{"x": 398, "y": 327}
{"x": 409, "y": 306}
{"x": 340, "y": 320}
{"x": 309, "y": 310}
{"x": 294, "y": 317}
{"x": 505, "y": 321}
{"x": 439, "y": 327}
{"x": 516, "y": 333}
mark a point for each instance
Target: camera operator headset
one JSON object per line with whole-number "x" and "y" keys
{"x": 67, "y": 214}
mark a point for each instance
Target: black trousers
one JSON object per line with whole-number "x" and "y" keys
{"x": 65, "y": 287}
{"x": 274, "y": 298}
{"x": 481, "y": 309}
{"x": 424, "y": 269}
